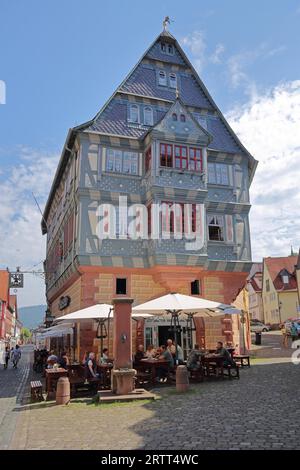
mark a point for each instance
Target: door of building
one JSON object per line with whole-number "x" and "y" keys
{"x": 165, "y": 333}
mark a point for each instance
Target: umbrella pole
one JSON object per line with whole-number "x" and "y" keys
{"x": 174, "y": 322}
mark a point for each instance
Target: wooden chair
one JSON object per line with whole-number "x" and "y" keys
{"x": 232, "y": 372}
{"x": 36, "y": 389}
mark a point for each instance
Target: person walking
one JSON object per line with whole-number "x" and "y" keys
{"x": 284, "y": 336}
{"x": 6, "y": 357}
{"x": 16, "y": 356}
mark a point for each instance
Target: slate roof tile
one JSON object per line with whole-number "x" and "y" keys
{"x": 156, "y": 54}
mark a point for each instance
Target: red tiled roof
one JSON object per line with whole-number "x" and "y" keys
{"x": 254, "y": 284}
{"x": 276, "y": 266}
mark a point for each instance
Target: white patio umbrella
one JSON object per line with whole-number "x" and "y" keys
{"x": 180, "y": 303}
{"x": 100, "y": 313}
{"x": 96, "y": 312}
{"x": 176, "y": 304}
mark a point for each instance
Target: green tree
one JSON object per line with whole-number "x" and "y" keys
{"x": 25, "y": 334}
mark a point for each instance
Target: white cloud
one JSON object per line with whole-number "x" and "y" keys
{"x": 238, "y": 65}
{"x": 215, "y": 58}
{"x": 21, "y": 241}
{"x": 197, "y": 45}
{"x": 269, "y": 127}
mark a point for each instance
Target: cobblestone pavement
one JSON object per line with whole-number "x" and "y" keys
{"x": 259, "y": 411}
{"x": 271, "y": 346}
{"x": 12, "y": 383}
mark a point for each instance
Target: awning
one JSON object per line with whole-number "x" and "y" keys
{"x": 56, "y": 331}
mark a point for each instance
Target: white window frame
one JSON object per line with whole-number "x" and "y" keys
{"x": 219, "y": 218}
{"x": 218, "y": 173}
{"x": 160, "y": 82}
{"x": 164, "y": 48}
{"x": 173, "y": 78}
{"x": 136, "y": 109}
{"x": 118, "y": 161}
{"x": 148, "y": 109}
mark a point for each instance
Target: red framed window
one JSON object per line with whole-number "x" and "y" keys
{"x": 166, "y": 155}
{"x": 148, "y": 159}
{"x": 181, "y": 159}
{"x": 195, "y": 157}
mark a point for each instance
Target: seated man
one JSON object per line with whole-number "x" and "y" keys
{"x": 63, "y": 360}
{"x": 224, "y": 354}
{"x": 91, "y": 367}
{"x": 171, "y": 347}
{"x": 104, "y": 357}
{"x": 140, "y": 354}
{"x": 194, "y": 358}
{"x": 162, "y": 371}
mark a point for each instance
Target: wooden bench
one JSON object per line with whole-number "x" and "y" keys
{"x": 36, "y": 388}
{"x": 243, "y": 360}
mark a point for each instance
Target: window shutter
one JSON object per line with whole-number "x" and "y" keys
{"x": 229, "y": 228}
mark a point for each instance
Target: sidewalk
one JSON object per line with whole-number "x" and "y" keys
{"x": 12, "y": 387}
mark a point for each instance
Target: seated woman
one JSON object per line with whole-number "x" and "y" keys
{"x": 150, "y": 351}
{"x": 51, "y": 360}
{"x": 104, "y": 358}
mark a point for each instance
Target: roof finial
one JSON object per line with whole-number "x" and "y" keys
{"x": 166, "y": 22}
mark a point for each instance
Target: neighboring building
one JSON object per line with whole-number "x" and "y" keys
{"x": 254, "y": 284}
{"x": 9, "y": 323}
{"x": 298, "y": 281}
{"x": 159, "y": 139}
{"x": 279, "y": 289}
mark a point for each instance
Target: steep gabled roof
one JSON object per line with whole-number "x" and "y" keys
{"x": 110, "y": 119}
{"x": 280, "y": 265}
{"x": 140, "y": 82}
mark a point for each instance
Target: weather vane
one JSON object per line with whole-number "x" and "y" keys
{"x": 166, "y": 22}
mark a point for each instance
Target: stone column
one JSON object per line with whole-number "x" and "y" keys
{"x": 122, "y": 373}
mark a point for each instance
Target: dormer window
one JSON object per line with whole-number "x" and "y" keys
{"x": 148, "y": 116}
{"x": 170, "y": 49}
{"x": 162, "y": 78}
{"x": 134, "y": 114}
{"x": 167, "y": 48}
{"x": 174, "y": 117}
{"x": 182, "y": 118}
{"x": 285, "y": 278}
{"x": 173, "y": 80}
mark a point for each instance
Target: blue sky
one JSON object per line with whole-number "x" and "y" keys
{"x": 61, "y": 60}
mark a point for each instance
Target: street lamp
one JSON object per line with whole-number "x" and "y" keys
{"x": 279, "y": 309}
{"x": 49, "y": 318}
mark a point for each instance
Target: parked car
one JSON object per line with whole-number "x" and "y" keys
{"x": 258, "y": 327}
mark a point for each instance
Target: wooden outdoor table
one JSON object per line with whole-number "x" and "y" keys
{"x": 153, "y": 364}
{"x": 212, "y": 359}
{"x": 52, "y": 376}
